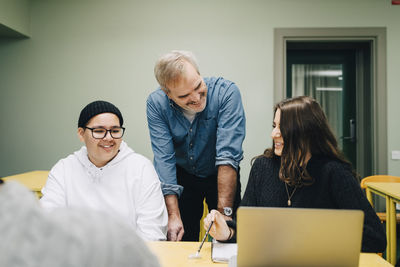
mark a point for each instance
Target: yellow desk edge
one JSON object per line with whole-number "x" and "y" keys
{"x": 33, "y": 180}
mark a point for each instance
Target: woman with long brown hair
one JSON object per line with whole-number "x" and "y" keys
{"x": 304, "y": 169}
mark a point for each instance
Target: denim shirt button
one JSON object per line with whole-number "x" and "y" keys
{"x": 190, "y": 130}
{"x": 191, "y": 158}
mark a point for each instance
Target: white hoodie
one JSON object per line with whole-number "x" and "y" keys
{"x": 126, "y": 188}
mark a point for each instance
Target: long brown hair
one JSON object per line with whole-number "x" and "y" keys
{"x": 304, "y": 129}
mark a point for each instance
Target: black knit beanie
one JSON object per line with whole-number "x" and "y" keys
{"x": 95, "y": 108}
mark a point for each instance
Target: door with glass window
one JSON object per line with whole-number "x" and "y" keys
{"x": 329, "y": 74}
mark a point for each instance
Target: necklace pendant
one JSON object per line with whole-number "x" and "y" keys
{"x": 289, "y": 203}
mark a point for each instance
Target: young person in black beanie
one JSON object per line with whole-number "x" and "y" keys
{"x": 108, "y": 176}
{"x": 304, "y": 169}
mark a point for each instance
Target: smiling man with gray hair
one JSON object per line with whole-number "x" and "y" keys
{"x": 197, "y": 127}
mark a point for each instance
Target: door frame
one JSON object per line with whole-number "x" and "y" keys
{"x": 377, "y": 37}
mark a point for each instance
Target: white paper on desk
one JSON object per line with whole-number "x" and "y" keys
{"x": 222, "y": 252}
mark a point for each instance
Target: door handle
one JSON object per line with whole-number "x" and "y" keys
{"x": 352, "y": 136}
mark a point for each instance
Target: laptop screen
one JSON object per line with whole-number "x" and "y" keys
{"x": 298, "y": 237}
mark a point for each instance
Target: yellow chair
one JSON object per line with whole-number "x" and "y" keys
{"x": 205, "y": 212}
{"x": 34, "y": 180}
{"x": 379, "y": 179}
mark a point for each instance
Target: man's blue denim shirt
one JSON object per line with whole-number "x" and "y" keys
{"x": 214, "y": 138}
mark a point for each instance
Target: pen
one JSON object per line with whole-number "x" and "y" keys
{"x": 197, "y": 255}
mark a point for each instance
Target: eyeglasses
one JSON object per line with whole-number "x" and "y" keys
{"x": 100, "y": 133}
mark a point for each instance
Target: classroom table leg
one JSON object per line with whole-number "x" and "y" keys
{"x": 388, "y": 233}
{"x": 393, "y": 234}
{"x": 369, "y": 196}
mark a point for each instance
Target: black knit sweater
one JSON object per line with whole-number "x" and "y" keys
{"x": 334, "y": 187}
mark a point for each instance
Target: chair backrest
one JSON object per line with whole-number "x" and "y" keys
{"x": 379, "y": 179}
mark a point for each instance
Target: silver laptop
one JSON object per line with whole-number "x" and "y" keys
{"x": 298, "y": 237}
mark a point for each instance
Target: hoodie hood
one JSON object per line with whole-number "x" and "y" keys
{"x": 95, "y": 173}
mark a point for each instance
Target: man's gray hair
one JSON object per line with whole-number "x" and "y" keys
{"x": 170, "y": 66}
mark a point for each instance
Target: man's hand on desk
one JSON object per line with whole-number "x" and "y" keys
{"x": 175, "y": 228}
{"x": 175, "y": 225}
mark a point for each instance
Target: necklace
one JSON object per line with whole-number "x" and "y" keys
{"x": 289, "y": 202}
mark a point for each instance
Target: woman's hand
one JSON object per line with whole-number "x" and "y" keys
{"x": 219, "y": 230}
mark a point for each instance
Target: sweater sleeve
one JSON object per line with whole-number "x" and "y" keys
{"x": 347, "y": 194}
{"x": 250, "y": 195}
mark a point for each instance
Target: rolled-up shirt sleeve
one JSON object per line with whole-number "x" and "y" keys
{"x": 231, "y": 128}
{"x": 163, "y": 150}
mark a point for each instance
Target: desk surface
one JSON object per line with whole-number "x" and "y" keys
{"x": 175, "y": 254}
{"x": 389, "y": 189}
{"x": 34, "y": 180}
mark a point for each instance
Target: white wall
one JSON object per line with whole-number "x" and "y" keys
{"x": 85, "y": 50}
